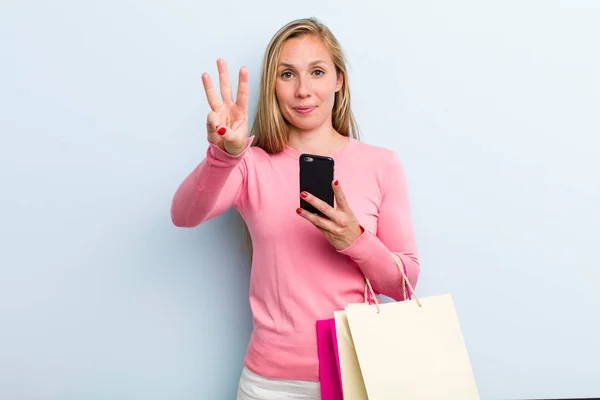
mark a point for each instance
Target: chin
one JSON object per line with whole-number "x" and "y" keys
{"x": 306, "y": 124}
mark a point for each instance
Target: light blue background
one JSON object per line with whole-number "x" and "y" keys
{"x": 494, "y": 107}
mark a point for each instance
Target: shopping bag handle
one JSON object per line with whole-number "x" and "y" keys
{"x": 405, "y": 281}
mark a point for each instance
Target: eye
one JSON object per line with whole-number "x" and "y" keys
{"x": 286, "y": 75}
{"x": 318, "y": 72}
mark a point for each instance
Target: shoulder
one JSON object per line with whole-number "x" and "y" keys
{"x": 260, "y": 155}
{"x": 383, "y": 162}
{"x": 379, "y": 156}
{"x": 258, "y": 152}
{"x": 261, "y": 159}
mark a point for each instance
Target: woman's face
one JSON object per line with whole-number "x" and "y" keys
{"x": 306, "y": 82}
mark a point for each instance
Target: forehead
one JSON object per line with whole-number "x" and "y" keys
{"x": 303, "y": 50}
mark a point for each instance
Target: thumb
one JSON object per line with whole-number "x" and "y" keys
{"x": 232, "y": 134}
{"x": 340, "y": 196}
{"x": 212, "y": 121}
{"x": 212, "y": 127}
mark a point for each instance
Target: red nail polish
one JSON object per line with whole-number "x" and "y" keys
{"x": 222, "y": 131}
{"x": 336, "y": 182}
{"x": 304, "y": 195}
{"x": 298, "y": 210}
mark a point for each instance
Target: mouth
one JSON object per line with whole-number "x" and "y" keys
{"x": 304, "y": 110}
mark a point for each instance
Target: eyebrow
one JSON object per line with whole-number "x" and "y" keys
{"x": 286, "y": 65}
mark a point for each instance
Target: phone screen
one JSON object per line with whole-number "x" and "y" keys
{"x": 316, "y": 177}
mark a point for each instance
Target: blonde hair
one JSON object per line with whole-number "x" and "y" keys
{"x": 270, "y": 128}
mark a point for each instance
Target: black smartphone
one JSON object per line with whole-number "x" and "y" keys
{"x": 316, "y": 177}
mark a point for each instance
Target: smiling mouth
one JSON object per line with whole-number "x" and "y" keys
{"x": 304, "y": 110}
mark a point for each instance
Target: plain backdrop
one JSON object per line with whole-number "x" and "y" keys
{"x": 493, "y": 106}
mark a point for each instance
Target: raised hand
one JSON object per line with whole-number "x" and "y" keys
{"x": 227, "y": 123}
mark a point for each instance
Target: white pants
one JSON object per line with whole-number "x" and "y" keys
{"x": 256, "y": 387}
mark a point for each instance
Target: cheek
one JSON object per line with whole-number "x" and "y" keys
{"x": 282, "y": 92}
{"x": 327, "y": 93}
{"x": 278, "y": 92}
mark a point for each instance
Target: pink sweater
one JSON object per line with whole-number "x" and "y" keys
{"x": 297, "y": 276}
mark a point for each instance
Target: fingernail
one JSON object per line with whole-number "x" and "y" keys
{"x": 298, "y": 211}
{"x": 222, "y": 131}
{"x": 336, "y": 183}
{"x": 304, "y": 195}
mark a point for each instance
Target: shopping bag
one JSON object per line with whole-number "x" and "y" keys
{"x": 413, "y": 349}
{"x": 329, "y": 373}
{"x": 353, "y": 387}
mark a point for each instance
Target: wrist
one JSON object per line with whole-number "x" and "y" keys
{"x": 234, "y": 151}
{"x": 357, "y": 233}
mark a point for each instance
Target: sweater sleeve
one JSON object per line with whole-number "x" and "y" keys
{"x": 211, "y": 188}
{"x": 372, "y": 251}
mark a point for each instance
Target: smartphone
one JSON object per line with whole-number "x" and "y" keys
{"x": 316, "y": 177}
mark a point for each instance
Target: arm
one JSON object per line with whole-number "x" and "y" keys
{"x": 371, "y": 251}
{"x": 216, "y": 183}
{"x": 211, "y": 188}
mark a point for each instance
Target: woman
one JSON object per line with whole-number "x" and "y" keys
{"x": 304, "y": 266}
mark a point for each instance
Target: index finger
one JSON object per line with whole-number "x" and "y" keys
{"x": 320, "y": 205}
{"x": 211, "y": 93}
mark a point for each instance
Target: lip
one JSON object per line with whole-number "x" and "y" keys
{"x": 304, "y": 110}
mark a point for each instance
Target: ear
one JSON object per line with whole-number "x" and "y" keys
{"x": 340, "y": 81}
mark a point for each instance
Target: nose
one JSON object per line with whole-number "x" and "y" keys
{"x": 303, "y": 89}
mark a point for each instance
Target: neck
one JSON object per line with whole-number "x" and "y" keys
{"x": 321, "y": 141}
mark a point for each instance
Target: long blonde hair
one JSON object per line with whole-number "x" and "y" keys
{"x": 269, "y": 127}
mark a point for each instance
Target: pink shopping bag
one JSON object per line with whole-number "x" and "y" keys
{"x": 329, "y": 368}
{"x": 330, "y": 377}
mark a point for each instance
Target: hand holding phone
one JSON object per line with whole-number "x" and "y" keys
{"x": 338, "y": 224}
